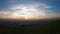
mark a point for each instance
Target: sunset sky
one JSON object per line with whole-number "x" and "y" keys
{"x": 29, "y": 9}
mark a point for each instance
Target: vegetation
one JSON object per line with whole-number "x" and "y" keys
{"x": 49, "y": 28}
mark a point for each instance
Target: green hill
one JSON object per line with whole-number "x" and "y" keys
{"x": 49, "y": 28}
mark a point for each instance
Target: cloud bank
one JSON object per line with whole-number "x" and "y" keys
{"x": 35, "y": 11}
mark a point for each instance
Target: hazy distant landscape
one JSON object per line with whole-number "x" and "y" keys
{"x": 47, "y": 26}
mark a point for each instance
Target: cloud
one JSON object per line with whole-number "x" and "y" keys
{"x": 30, "y": 11}
{"x": 16, "y": 15}
{"x": 36, "y": 8}
{"x": 5, "y": 13}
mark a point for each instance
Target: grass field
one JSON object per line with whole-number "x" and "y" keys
{"x": 52, "y": 27}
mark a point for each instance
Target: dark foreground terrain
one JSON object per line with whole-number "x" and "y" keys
{"x": 47, "y": 26}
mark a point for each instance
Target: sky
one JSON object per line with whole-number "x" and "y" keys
{"x": 29, "y": 8}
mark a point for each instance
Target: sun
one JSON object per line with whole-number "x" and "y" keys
{"x": 26, "y": 17}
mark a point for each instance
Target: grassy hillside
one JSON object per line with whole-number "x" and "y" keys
{"x": 49, "y": 28}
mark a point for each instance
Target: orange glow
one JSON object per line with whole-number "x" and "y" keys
{"x": 28, "y": 17}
